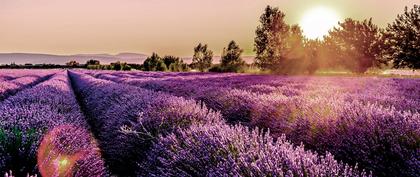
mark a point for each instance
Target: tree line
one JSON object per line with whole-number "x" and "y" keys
{"x": 353, "y": 45}
{"x": 282, "y": 48}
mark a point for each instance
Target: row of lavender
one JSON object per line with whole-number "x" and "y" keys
{"x": 42, "y": 131}
{"x": 393, "y": 90}
{"x": 147, "y": 133}
{"x": 374, "y": 122}
{"x": 12, "y": 81}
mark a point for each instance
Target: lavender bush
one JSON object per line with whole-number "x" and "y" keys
{"x": 165, "y": 124}
{"x": 324, "y": 113}
{"x": 221, "y": 150}
{"x": 11, "y": 83}
{"x": 128, "y": 120}
{"x": 30, "y": 115}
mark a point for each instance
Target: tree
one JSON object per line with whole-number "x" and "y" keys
{"x": 312, "y": 51}
{"x": 92, "y": 62}
{"x": 356, "y": 44}
{"x": 175, "y": 64}
{"x": 402, "y": 39}
{"x": 154, "y": 63}
{"x": 116, "y": 66}
{"x": 168, "y": 60}
{"x": 231, "y": 60}
{"x": 293, "y": 60}
{"x": 202, "y": 58}
{"x": 125, "y": 67}
{"x": 72, "y": 63}
{"x": 270, "y": 40}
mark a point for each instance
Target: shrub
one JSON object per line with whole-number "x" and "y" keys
{"x": 129, "y": 120}
{"x": 221, "y": 150}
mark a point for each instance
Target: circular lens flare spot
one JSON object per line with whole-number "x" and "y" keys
{"x": 53, "y": 159}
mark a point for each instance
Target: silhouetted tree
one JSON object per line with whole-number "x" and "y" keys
{"x": 175, "y": 64}
{"x": 356, "y": 44}
{"x": 293, "y": 61}
{"x": 402, "y": 39}
{"x": 93, "y": 62}
{"x": 116, "y": 66}
{"x": 231, "y": 60}
{"x": 168, "y": 60}
{"x": 125, "y": 66}
{"x": 312, "y": 51}
{"x": 202, "y": 58}
{"x": 72, "y": 63}
{"x": 154, "y": 63}
{"x": 270, "y": 40}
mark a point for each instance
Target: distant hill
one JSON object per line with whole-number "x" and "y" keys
{"x": 22, "y": 58}
{"x": 34, "y": 58}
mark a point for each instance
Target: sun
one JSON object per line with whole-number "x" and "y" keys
{"x": 318, "y": 21}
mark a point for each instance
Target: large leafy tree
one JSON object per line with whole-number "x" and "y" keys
{"x": 154, "y": 63}
{"x": 294, "y": 60}
{"x": 203, "y": 57}
{"x": 312, "y": 50}
{"x": 402, "y": 39}
{"x": 231, "y": 58}
{"x": 357, "y": 44}
{"x": 270, "y": 40}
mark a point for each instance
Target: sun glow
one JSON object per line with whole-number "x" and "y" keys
{"x": 318, "y": 21}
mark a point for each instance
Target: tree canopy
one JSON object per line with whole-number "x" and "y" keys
{"x": 231, "y": 60}
{"x": 402, "y": 39}
{"x": 356, "y": 44}
{"x": 154, "y": 63}
{"x": 203, "y": 57}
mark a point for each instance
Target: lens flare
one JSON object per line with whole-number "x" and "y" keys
{"x": 59, "y": 153}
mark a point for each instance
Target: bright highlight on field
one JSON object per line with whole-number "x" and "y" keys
{"x": 318, "y": 21}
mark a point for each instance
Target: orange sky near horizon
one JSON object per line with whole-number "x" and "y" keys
{"x": 169, "y": 27}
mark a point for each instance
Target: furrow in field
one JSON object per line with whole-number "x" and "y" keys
{"x": 43, "y": 132}
{"x": 402, "y": 94}
{"x": 11, "y": 87}
{"x": 129, "y": 119}
{"x": 147, "y": 133}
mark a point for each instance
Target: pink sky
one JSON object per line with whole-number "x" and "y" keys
{"x": 165, "y": 26}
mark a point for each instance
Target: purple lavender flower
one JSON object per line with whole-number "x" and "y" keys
{"x": 221, "y": 150}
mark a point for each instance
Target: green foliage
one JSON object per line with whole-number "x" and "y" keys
{"x": 126, "y": 67}
{"x": 279, "y": 47}
{"x": 104, "y": 67}
{"x": 72, "y": 63}
{"x": 216, "y": 68}
{"x": 202, "y": 58}
{"x": 118, "y": 66}
{"x": 402, "y": 40}
{"x": 18, "y": 147}
{"x": 312, "y": 54}
{"x": 93, "y": 62}
{"x": 355, "y": 44}
{"x": 154, "y": 63}
{"x": 231, "y": 60}
{"x": 270, "y": 40}
{"x": 175, "y": 64}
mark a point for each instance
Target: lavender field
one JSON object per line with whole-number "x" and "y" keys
{"x": 108, "y": 123}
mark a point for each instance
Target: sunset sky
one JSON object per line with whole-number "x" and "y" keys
{"x": 165, "y": 26}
